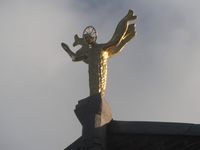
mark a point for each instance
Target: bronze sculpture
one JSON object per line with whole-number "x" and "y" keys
{"x": 96, "y": 55}
{"x": 94, "y": 112}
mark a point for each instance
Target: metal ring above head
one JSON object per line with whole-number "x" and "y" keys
{"x": 91, "y": 32}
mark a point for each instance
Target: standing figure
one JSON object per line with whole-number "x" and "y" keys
{"x": 96, "y": 55}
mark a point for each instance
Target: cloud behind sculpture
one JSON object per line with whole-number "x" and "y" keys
{"x": 155, "y": 78}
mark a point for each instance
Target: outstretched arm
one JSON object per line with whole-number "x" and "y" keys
{"x": 78, "y": 56}
{"x": 121, "y": 31}
{"x": 127, "y": 37}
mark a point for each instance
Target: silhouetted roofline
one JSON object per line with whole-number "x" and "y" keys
{"x": 159, "y": 128}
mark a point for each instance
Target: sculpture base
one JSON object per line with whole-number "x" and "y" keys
{"x": 94, "y": 114}
{"x": 93, "y": 111}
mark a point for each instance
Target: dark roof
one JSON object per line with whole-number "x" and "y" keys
{"x": 144, "y": 127}
{"x": 138, "y": 135}
{"x": 143, "y": 135}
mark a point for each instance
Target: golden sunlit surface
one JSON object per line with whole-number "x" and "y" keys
{"x": 103, "y": 70}
{"x": 96, "y": 55}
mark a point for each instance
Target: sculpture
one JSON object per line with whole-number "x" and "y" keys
{"x": 96, "y": 55}
{"x": 94, "y": 112}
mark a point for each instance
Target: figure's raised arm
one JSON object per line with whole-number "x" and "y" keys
{"x": 121, "y": 31}
{"x": 127, "y": 37}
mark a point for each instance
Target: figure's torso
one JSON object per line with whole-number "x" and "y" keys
{"x": 97, "y": 61}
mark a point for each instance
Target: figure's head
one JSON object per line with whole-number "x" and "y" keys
{"x": 90, "y": 35}
{"x": 89, "y": 39}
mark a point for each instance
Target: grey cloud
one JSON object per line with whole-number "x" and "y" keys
{"x": 156, "y": 76}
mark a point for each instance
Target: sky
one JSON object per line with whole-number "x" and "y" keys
{"x": 155, "y": 78}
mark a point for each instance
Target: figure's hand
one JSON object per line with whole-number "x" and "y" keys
{"x": 67, "y": 49}
{"x": 131, "y": 15}
{"x": 65, "y": 46}
{"x": 131, "y": 30}
{"x": 76, "y": 40}
{"x": 131, "y": 24}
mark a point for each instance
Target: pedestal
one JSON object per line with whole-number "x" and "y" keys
{"x": 94, "y": 114}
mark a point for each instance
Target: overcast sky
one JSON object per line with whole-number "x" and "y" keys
{"x": 155, "y": 78}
